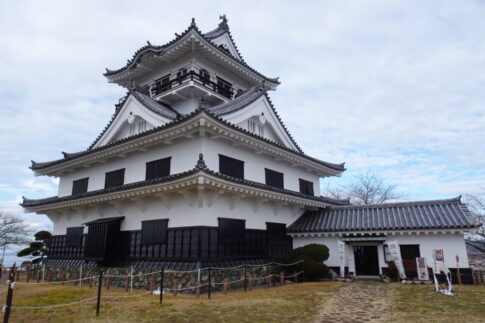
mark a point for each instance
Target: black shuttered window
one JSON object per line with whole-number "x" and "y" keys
{"x": 231, "y": 166}
{"x": 74, "y": 236}
{"x": 306, "y": 187}
{"x": 274, "y": 178}
{"x": 114, "y": 178}
{"x": 409, "y": 251}
{"x": 80, "y": 186}
{"x": 154, "y": 231}
{"x": 158, "y": 168}
{"x": 232, "y": 230}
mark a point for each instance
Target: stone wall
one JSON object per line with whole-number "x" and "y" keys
{"x": 150, "y": 278}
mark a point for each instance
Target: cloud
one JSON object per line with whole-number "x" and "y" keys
{"x": 392, "y": 86}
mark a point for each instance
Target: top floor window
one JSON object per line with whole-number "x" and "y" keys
{"x": 231, "y": 166}
{"x": 158, "y": 168}
{"x": 115, "y": 178}
{"x": 80, "y": 186}
{"x": 306, "y": 187}
{"x": 274, "y": 178}
{"x": 224, "y": 87}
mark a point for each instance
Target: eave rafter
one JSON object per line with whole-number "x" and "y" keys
{"x": 190, "y": 187}
{"x": 200, "y": 125}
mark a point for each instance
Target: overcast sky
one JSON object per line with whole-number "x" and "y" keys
{"x": 394, "y": 86}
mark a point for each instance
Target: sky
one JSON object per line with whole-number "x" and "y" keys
{"x": 394, "y": 87}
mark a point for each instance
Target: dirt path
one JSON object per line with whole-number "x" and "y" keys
{"x": 356, "y": 302}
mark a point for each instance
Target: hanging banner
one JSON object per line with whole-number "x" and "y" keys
{"x": 422, "y": 269}
{"x": 438, "y": 255}
{"x": 396, "y": 257}
{"x": 341, "y": 255}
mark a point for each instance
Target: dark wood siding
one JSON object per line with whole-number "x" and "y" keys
{"x": 80, "y": 186}
{"x": 158, "y": 168}
{"x": 306, "y": 187}
{"x": 154, "y": 231}
{"x": 103, "y": 242}
{"x": 231, "y": 166}
{"x": 115, "y": 178}
{"x": 274, "y": 178}
{"x": 74, "y": 236}
{"x": 231, "y": 230}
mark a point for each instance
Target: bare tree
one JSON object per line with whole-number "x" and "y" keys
{"x": 366, "y": 188}
{"x": 13, "y": 232}
{"x": 476, "y": 205}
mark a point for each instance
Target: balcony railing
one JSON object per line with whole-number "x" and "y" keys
{"x": 198, "y": 76}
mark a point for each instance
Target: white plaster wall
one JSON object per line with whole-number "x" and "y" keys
{"x": 181, "y": 213}
{"x": 452, "y": 245}
{"x": 254, "y": 165}
{"x": 185, "y": 153}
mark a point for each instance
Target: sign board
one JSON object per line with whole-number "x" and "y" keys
{"x": 438, "y": 255}
{"x": 396, "y": 257}
{"x": 422, "y": 269}
{"x": 341, "y": 255}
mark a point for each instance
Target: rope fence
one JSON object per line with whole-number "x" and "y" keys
{"x": 129, "y": 278}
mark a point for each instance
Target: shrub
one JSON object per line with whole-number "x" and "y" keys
{"x": 313, "y": 256}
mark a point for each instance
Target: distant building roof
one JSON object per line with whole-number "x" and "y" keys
{"x": 439, "y": 214}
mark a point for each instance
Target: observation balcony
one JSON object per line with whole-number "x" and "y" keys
{"x": 193, "y": 82}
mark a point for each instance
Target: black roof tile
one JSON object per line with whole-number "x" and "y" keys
{"x": 437, "y": 214}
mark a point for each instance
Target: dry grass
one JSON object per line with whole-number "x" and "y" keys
{"x": 418, "y": 303}
{"x": 291, "y": 303}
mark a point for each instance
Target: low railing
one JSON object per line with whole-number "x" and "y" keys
{"x": 198, "y": 76}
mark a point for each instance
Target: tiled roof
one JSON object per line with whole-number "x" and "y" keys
{"x": 199, "y": 168}
{"x": 222, "y": 28}
{"x": 42, "y": 165}
{"x": 159, "y": 50}
{"x": 437, "y": 214}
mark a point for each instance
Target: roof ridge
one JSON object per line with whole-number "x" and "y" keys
{"x": 401, "y": 203}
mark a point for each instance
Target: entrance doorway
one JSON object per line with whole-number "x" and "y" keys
{"x": 366, "y": 260}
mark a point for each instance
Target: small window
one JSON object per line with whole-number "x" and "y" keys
{"x": 409, "y": 251}
{"x": 114, "y": 178}
{"x": 232, "y": 230}
{"x": 154, "y": 231}
{"x": 205, "y": 76}
{"x": 231, "y": 166}
{"x": 74, "y": 236}
{"x": 80, "y": 186}
{"x": 274, "y": 178}
{"x": 158, "y": 168}
{"x": 306, "y": 187}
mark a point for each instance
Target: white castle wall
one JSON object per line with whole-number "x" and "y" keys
{"x": 452, "y": 245}
{"x": 184, "y": 155}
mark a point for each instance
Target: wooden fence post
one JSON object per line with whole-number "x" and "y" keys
{"x": 282, "y": 278}
{"x": 18, "y": 275}
{"x": 161, "y": 284}
{"x": 90, "y": 282}
{"x": 8, "y": 305}
{"x": 108, "y": 282}
{"x": 74, "y": 279}
{"x": 39, "y": 276}
{"x": 127, "y": 283}
{"x": 226, "y": 285}
{"x": 49, "y": 279}
{"x": 152, "y": 284}
{"x": 175, "y": 287}
{"x": 270, "y": 281}
{"x": 250, "y": 284}
{"x": 63, "y": 277}
{"x": 209, "y": 285}
{"x": 245, "y": 278}
{"x": 197, "y": 289}
{"x": 100, "y": 283}
{"x": 28, "y": 274}
{"x": 296, "y": 277}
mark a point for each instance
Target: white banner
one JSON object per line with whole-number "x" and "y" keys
{"x": 396, "y": 257}
{"x": 341, "y": 255}
{"x": 422, "y": 269}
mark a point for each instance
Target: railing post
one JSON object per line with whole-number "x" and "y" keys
{"x": 100, "y": 283}
{"x": 209, "y": 285}
{"x": 282, "y": 278}
{"x": 175, "y": 287}
{"x": 245, "y": 278}
{"x": 8, "y": 305}
{"x": 226, "y": 285}
{"x": 197, "y": 289}
{"x": 161, "y": 284}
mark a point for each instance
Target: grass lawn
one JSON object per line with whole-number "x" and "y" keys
{"x": 418, "y": 303}
{"x": 290, "y": 303}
